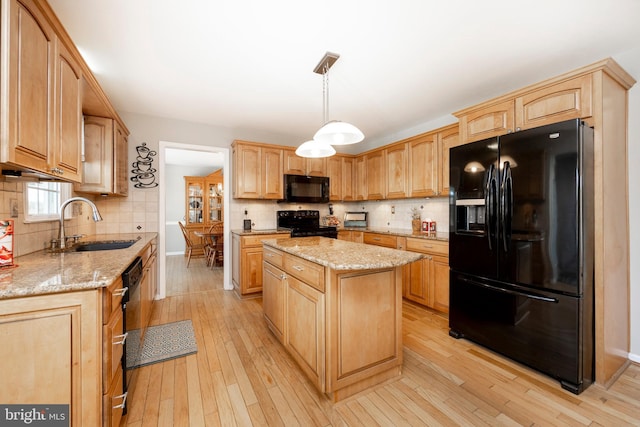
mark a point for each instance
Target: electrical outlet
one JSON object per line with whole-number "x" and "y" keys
{"x": 393, "y": 210}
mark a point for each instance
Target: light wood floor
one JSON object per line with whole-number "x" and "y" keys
{"x": 242, "y": 376}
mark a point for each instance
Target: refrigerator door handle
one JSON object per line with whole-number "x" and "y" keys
{"x": 508, "y": 291}
{"x": 489, "y": 202}
{"x": 506, "y": 202}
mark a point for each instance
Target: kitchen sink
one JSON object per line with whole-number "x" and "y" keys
{"x": 102, "y": 245}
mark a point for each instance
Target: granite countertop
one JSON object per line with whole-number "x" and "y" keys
{"x": 343, "y": 255}
{"x": 46, "y": 272}
{"x": 254, "y": 232}
{"x": 442, "y": 236}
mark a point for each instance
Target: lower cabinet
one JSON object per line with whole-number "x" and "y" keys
{"x": 343, "y": 328}
{"x": 246, "y": 268}
{"x": 113, "y": 339}
{"x": 51, "y": 352}
{"x": 148, "y": 283}
{"x": 427, "y": 281}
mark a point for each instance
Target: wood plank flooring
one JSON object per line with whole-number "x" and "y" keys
{"x": 242, "y": 376}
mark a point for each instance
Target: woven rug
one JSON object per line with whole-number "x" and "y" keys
{"x": 161, "y": 342}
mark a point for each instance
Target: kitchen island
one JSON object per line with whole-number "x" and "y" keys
{"x": 336, "y": 306}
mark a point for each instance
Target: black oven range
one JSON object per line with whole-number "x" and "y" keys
{"x": 304, "y": 223}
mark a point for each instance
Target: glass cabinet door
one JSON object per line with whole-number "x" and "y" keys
{"x": 214, "y": 191}
{"x": 195, "y": 203}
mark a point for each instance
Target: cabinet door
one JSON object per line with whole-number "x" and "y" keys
{"x": 396, "y": 168}
{"x": 375, "y": 175}
{"x": 334, "y": 169}
{"x": 28, "y": 119}
{"x": 68, "y": 123}
{"x": 489, "y": 121}
{"x": 195, "y": 200}
{"x": 97, "y": 167}
{"x": 247, "y": 167}
{"x": 360, "y": 189}
{"x": 273, "y": 297}
{"x": 52, "y": 348}
{"x": 304, "y": 336}
{"x": 570, "y": 99}
{"x": 251, "y": 275}
{"x": 293, "y": 164}
{"x": 316, "y": 167}
{"x": 446, "y": 139}
{"x": 416, "y": 276}
{"x": 120, "y": 161}
{"x": 272, "y": 173}
{"x": 439, "y": 284}
{"x": 422, "y": 163}
{"x": 348, "y": 179}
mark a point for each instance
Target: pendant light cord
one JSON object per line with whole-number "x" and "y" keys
{"x": 325, "y": 94}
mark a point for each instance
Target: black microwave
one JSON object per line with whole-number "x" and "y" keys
{"x": 306, "y": 189}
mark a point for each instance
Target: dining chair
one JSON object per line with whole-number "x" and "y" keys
{"x": 215, "y": 243}
{"x": 191, "y": 248}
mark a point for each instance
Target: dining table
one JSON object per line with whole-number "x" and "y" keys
{"x": 210, "y": 239}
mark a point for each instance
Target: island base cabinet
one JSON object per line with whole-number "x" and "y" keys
{"x": 273, "y": 294}
{"x": 51, "y": 353}
{"x": 364, "y": 335}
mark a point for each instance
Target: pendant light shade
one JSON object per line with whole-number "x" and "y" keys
{"x": 315, "y": 149}
{"x": 333, "y": 132}
{"x": 339, "y": 133}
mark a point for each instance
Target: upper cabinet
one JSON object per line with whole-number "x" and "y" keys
{"x": 257, "y": 171}
{"x": 296, "y": 165}
{"x": 422, "y": 165}
{"x": 532, "y": 107}
{"x": 45, "y": 84}
{"x": 340, "y": 170}
{"x": 375, "y": 174}
{"x": 396, "y": 160}
{"x": 104, "y": 168}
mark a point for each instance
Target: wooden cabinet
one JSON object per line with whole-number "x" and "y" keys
{"x": 426, "y": 281}
{"x": 257, "y": 171}
{"x": 343, "y": 328}
{"x": 375, "y": 175}
{"x": 246, "y": 268}
{"x": 41, "y": 121}
{"x": 422, "y": 165}
{"x": 396, "y": 164}
{"x": 113, "y": 340}
{"x": 104, "y": 168}
{"x": 447, "y": 137}
{"x": 204, "y": 203}
{"x": 380, "y": 239}
{"x": 540, "y": 105}
{"x": 351, "y": 236}
{"x": 340, "y": 170}
{"x": 360, "y": 177}
{"x": 51, "y": 352}
{"x": 296, "y": 165}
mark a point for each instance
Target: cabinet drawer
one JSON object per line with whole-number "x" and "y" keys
{"x": 310, "y": 273}
{"x": 113, "y": 402}
{"x": 428, "y": 246}
{"x": 273, "y": 256}
{"x": 386, "y": 240}
{"x": 255, "y": 241}
{"x": 112, "y": 348}
{"x": 112, "y": 299}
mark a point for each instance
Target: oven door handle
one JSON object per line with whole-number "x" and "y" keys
{"x": 509, "y": 291}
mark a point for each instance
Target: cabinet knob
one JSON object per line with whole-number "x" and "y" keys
{"x": 297, "y": 268}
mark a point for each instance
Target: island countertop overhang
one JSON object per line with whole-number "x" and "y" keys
{"x": 343, "y": 255}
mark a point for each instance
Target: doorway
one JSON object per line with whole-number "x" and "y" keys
{"x": 171, "y": 149}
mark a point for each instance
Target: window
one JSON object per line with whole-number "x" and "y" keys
{"x": 42, "y": 200}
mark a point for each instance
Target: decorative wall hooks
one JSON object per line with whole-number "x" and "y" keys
{"x": 144, "y": 173}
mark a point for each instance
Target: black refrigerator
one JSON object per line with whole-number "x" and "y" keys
{"x": 521, "y": 248}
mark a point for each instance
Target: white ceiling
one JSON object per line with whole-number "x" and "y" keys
{"x": 248, "y": 64}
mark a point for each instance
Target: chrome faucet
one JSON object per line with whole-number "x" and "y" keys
{"x": 96, "y": 216}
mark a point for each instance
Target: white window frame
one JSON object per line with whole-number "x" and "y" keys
{"x": 63, "y": 191}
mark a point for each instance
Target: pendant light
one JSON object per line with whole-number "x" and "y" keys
{"x": 332, "y": 132}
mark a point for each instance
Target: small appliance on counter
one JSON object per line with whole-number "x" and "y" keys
{"x": 355, "y": 219}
